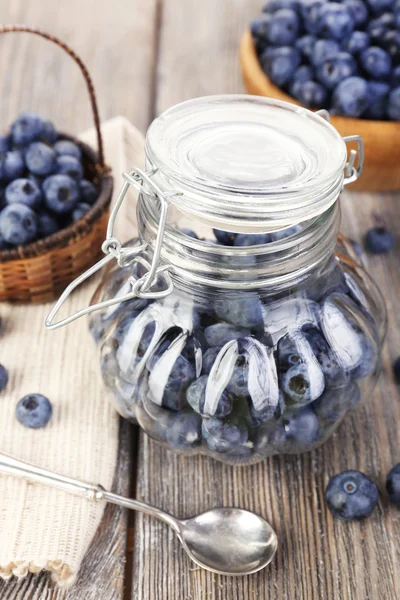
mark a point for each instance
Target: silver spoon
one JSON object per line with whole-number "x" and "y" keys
{"x": 228, "y": 541}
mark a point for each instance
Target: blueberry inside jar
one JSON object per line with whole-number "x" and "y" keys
{"x": 271, "y": 333}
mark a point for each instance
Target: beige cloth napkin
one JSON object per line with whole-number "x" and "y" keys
{"x": 43, "y": 528}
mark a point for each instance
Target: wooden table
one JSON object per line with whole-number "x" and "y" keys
{"x": 146, "y": 55}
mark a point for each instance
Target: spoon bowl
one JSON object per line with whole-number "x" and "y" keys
{"x": 229, "y": 541}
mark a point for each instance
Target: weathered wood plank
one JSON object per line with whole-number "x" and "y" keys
{"x": 319, "y": 558}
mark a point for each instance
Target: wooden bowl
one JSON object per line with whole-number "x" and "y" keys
{"x": 381, "y": 138}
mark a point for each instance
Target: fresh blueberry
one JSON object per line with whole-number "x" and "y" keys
{"x": 378, "y": 27}
{"x": 358, "y": 11}
{"x": 81, "y": 209}
{"x": 23, "y": 191}
{"x": 351, "y": 495}
{"x": 369, "y": 358}
{"x": 285, "y": 233}
{"x": 181, "y": 375}
{"x": 336, "y": 68}
{"x": 270, "y": 439}
{"x": 27, "y": 128}
{"x": 393, "y": 108}
{"x": 5, "y": 145}
{"x": 296, "y": 383}
{"x": 379, "y": 240}
{"x": 189, "y": 233}
{"x": 312, "y": 94}
{"x": 252, "y": 239}
{"x": 3, "y": 378}
{"x": 221, "y": 333}
{"x": 273, "y": 5}
{"x": 357, "y": 42}
{"x": 69, "y": 165}
{"x": 283, "y": 27}
{"x": 18, "y": 224}
{"x": 209, "y": 359}
{"x": 303, "y": 74}
{"x": 196, "y": 397}
{"x": 67, "y": 148}
{"x": 46, "y": 224}
{"x": 87, "y": 191}
{"x": 335, "y": 374}
{"x": 305, "y": 45}
{"x": 225, "y": 436}
{"x": 376, "y": 62}
{"x": 302, "y": 427}
{"x": 379, "y": 6}
{"x": 310, "y": 11}
{"x": 243, "y": 311}
{"x": 226, "y": 238}
{"x": 391, "y": 43}
{"x": 12, "y": 165}
{"x": 334, "y": 403}
{"x": 323, "y": 50}
{"x": 396, "y": 370}
{"x": 184, "y": 430}
{"x": 61, "y": 193}
{"x": 41, "y": 159}
{"x": 259, "y": 32}
{"x": 378, "y": 93}
{"x": 34, "y": 410}
{"x": 48, "y": 134}
{"x": 335, "y": 21}
{"x": 393, "y": 485}
{"x": 351, "y": 98}
{"x": 280, "y": 64}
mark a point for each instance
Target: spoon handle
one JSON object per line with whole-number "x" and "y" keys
{"x": 92, "y": 492}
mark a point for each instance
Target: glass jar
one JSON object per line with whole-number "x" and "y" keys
{"x": 256, "y": 338}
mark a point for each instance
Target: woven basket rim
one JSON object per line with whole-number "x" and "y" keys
{"x": 78, "y": 229}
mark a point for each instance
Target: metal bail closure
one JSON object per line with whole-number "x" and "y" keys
{"x": 141, "y": 288}
{"x": 351, "y": 172}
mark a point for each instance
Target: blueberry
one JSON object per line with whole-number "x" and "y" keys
{"x": 259, "y": 29}
{"x": 378, "y": 93}
{"x": 270, "y": 439}
{"x": 351, "y": 98}
{"x": 393, "y": 108}
{"x": 296, "y": 384}
{"x": 379, "y": 6}
{"x": 61, "y": 193}
{"x": 393, "y": 485}
{"x": 334, "y": 403}
{"x": 303, "y": 74}
{"x": 243, "y": 311}
{"x": 369, "y": 358}
{"x": 336, "y": 68}
{"x": 18, "y": 224}
{"x": 170, "y": 378}
{"x": 33, "y": 410}
{"x": 189, "y": 233}
{"x": 5, "y": 145}
{"x": 323, "y": 50}
{"x": 335, "y": 374}
{"x": 23, "y": 191}
{"x": 280, "y": 64}
{"x": 87, "y": 191}
{"x": 335, "y": 21}
{"x": 252, "y": 239}
{"x": 302, "y": 427}
{"x": 376, "y": 62}
{"x": 41, "y": 159}
{"x": 379, "y": 240}
{"x": 48, "y": 134}
{"x": 396, "y": 370}
{"x": 283, "y": 27}
{"x": 3, "y": 378}
{"x": 310, "y": 11}
{"x": 305, "y": 45}
{"x": 184, "y": 430}
{"x": 312, "y": 94}
{"x": 12, "y": 165}
{"x": 351, "y": 495}
{"x": 226, "y": 238}
{"x": 358, "y": 11}
{"x": 391, "y": 43}
{"x": 378, "y": 27}
{"x": 282, "y": 234}
{"x": 225, "y": 436}
{"x": 46, "y": 224}
{"x": 209, "y": 359}
{"x": 357, "y": 42}
{"x": 26, "y": 128}
{"x": 221, "y": 333}
{"x": 81, "y": 209}
{"x": 67, "y": 148}
{"x": 69, "y": 165}
{"x": 196, "y": 397}
{"x": 273, "y": 5}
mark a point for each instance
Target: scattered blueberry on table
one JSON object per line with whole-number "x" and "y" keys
{"x": 393, "y": 485}
{"x": 42, "y": 184}
{"x": 3, "y": 378}
{"x": 34, "y": 411}
{"x": 351, "y": 495}
{"x": 344, "y": 56}
{"x": 378, "y": 239}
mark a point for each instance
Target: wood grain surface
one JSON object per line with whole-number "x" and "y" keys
{"x": 146, "y": 55}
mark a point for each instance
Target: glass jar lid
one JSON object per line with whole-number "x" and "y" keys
{"x": 246, "y": 163}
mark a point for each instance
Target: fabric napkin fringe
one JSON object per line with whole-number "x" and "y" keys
{"x": 60, "y": 571}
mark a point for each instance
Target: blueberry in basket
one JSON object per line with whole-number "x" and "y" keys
{"x": 343, "y": 56}
{"x": 42, "y": 182}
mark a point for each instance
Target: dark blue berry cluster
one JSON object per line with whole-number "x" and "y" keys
{"x": 42, "y": 184}
{"x": 344, "y": 56}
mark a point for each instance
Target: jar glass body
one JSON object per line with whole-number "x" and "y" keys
{"x": 258, "y": 350}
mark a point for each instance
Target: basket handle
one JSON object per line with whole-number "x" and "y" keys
{"x": 81, "y": 65}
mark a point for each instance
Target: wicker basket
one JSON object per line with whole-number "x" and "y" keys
{"x": 38, "y": 272}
